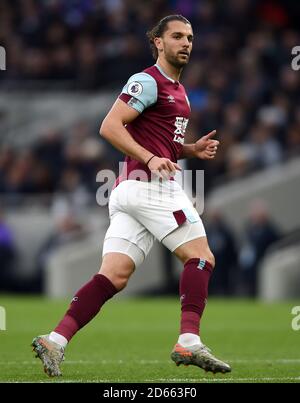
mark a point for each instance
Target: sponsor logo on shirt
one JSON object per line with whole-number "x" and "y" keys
{"x": 180, "y": 127}
{"x": 171, "y": 99}
{"x": 135, "y": 88}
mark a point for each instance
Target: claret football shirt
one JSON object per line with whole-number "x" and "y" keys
{"x": 164, "y": 113}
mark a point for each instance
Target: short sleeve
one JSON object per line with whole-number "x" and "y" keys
{"x": 140, "y": 91}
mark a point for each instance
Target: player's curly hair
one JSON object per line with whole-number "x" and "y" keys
{"x": 160, "y": 28}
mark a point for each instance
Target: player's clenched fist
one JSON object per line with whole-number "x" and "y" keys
{"x": 206, "y": 148}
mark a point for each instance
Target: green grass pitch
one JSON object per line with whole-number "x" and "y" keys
{"x": 131, "y": 341}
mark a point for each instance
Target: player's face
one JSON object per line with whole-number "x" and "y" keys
{"x": 176, "y": 43}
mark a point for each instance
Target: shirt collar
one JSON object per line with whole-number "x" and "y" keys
{"x": 164, "y": 74}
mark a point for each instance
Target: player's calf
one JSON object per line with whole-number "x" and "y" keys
{"x": 193, "y": 293}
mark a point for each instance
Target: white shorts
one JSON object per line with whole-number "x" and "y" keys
{"x": 142, "y": 211}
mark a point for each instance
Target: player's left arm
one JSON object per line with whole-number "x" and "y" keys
{"x": 205, "y": 148}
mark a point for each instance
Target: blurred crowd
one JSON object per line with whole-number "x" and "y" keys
{"x": 240, "y": 44}
{"x": 239, "y": 80}
{"x": 58, "y": 163}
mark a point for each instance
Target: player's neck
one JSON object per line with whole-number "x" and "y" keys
{"x": 171, "y": 71}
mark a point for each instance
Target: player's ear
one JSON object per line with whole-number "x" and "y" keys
{"x": 158, "y": 43}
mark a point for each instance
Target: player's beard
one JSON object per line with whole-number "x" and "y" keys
{"x": 175, "y": 61}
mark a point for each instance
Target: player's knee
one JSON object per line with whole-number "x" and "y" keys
{"x": 211, "y": 259}
{"x": 120, "y": 282}
{"x": 118, "y": 269}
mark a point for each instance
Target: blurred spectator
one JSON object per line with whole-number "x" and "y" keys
{"x": 260, "y": 234}
{"x": 49, "y": 150}
{"x": 293, "y": 140}
{"x": 72, "y": 194}
{"x": 264, "y": 148}
{"x": 7, "y": 255}
{"x": 7, "y": 156}
{"x": 68, "y": 229}
{"x": 222, "y": 244}
{"x": 19, "y": 177}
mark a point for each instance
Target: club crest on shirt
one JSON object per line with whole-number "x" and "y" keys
{"x": 135, "y": 88}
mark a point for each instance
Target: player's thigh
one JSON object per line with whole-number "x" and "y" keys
{"x": 162, "y": 207}
{"x": 189, "y": 241}
{"x": 129, "y": 237}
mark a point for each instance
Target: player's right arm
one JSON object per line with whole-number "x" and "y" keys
{"x": 113, "y": 129}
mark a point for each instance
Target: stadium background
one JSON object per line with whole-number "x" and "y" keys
{"x": 66, "y": 63}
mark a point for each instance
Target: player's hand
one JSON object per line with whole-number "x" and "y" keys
{"x": 206, "y": 148}
{"x": 163, "y": 167}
